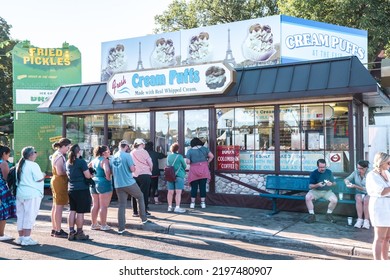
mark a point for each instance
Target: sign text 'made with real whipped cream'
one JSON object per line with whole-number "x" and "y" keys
{"x": 212, "y": 78}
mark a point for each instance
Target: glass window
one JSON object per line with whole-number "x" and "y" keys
{"x": 166, "y": 130}
{"x": 196, "y": 127}
{"x": 88, "y": 131}
{"x": 245, "y": 138}
{"x": 312, "y": 131}
{"x": 127, "y": 126}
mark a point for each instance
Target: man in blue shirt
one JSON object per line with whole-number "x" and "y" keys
{"x": 321, "y": 183}
{"x": 122, "y": 167}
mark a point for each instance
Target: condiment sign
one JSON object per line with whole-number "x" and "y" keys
{"x": 189, "y": 80}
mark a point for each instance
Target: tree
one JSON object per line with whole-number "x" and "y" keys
{"x": 370, "y": 15}
{"x": 183, "y": 14}
{"x": 6, "y": 45}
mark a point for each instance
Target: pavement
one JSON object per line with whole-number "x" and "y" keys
{"x": 285, "y": 230}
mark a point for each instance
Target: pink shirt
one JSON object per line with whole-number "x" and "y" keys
{"x": 142, "y": 161}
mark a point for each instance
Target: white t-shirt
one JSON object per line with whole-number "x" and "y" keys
{"x": 28, "y": 186}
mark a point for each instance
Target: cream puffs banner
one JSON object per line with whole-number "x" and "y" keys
{"x": 255, "y": 42}
{"x": 190, "y": 80}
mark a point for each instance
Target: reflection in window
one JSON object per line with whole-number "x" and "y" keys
{"x": 196, "y": 127}
{"x": 88, "y": 131}
{"x": 312, "y": 131}
{"x": 128, "y": 126}
{"x": 245, "y": 138}
{"x": 166, "y": 130}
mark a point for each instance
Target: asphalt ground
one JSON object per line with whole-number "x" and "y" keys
{"x": 285, "y": 230}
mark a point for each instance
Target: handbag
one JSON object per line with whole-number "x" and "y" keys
{"x": 90, "y": 183}
{"x": 169, "y": 172}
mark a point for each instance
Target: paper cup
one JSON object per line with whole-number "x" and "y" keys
{"x": 350, "y": 221}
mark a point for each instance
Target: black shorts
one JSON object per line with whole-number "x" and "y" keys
{"x": 80, "y": 201}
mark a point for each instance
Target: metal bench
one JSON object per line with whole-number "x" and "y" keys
{"x": 294, "y": 187}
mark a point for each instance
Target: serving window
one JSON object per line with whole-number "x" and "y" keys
{"x": 246, "y": 137}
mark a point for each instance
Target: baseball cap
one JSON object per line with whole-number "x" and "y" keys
{"x": 124, "y": 142}
{"x": 139, "y": 141}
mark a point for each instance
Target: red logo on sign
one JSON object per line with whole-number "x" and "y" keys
{"x": 335, "y": 158}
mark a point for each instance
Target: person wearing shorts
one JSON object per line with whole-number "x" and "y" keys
{"x": 59, "y": 186}
{"x": 102, "y": 191}
{"x": 321, "y": 183}
{"x": 177, "y": 161}
{"x": 78, "y": 192}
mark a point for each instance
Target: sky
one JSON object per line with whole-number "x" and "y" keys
{"x": 82, "y": 23}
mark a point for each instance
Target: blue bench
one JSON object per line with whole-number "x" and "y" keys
{"x": 294, "y": 187}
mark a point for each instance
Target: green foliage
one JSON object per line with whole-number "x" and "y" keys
{"x": 6, "y": 45}
{"x": 183, "y": 14}
{"x": 370, "y": 15}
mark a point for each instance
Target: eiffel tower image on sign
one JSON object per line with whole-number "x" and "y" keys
{"x": 229, "y": 54}
{"x": 139, "y": 64}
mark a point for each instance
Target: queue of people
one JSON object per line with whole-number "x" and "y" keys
{"x": 71, "y": 171}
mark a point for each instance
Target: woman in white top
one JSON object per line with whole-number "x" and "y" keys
{"x": 378, "y": 188}
{"x": 29, "y": 194}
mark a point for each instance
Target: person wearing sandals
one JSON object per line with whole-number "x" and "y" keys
{"x": 78, "y": 192}
{"x": 29, "y": 194}
{"x": 177, "y": 161}
{"x": 59, "y": 186}
{"x": 198, "y": 157}
{"x": 7, "y": 200}
{"x": 102, "y": 191}
{"x": 155, "y": 156}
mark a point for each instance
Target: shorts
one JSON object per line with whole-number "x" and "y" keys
{"x": 177, "y": 185}
{"x": 322, "y": 194}
{"x": 80, "y": 201}
{"x": 101, "y": 188}
{"x": 59, "y": 189}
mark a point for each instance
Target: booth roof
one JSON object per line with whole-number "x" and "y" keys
{"x": 326, "y": 78}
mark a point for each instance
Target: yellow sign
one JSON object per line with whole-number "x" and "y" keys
{"x": 54, "y": 139}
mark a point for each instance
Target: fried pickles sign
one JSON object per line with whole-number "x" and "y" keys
{"x": 190, "y": 80}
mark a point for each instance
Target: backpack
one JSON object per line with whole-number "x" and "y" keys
{"x": 169, "y": 172}
{"x": 11, "y": 180}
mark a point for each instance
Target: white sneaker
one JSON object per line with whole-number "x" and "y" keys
{"x": 95, "y": 227}
{"x": 366, "y": 224}
{"x": 19, "y": 240}
{"x": 179, "y": 210}
{"x": 105, "y": 227}
{"x": 27, "y": 241}
{"x": 203, "y": 205}
{"x": 170, "y": 209}
{"x": 359, "y": 223}
{"x": 192, "y": 205}
{"x": 5, "y": 238}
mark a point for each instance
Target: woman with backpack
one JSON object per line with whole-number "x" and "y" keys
{"x": 177, "y": 161}
{"x": 7, "y": 200}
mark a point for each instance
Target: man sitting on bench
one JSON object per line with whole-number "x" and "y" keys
{"x": 321, "y": 182}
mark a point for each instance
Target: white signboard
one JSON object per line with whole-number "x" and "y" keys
{"x": 261, "y": 41}
{"x": 309, "y": 40}
{"x": 32, "y": 96}
{"x": 211, "y": 78}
